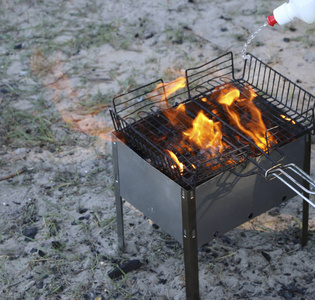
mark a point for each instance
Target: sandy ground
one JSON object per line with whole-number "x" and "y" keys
{"x": 61, "y": 62}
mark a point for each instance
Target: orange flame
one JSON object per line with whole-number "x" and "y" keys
{"x": 166, "y": 89}
{"x": 177, "y": 115}
{"x": 252, "y": 123}
{"x": 178, "y": 163}
{"x": 288, "y": 119}
{"x": 206, "y": 134}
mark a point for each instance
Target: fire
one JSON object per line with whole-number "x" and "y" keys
{"x": 250, "y": 122}
{"x": 288, "y": 119}
{"x": 178, "y": 163}
{"x": 167, "y": 89}
{"x": 205, "y": 133}
{"x": 177, "y": 115}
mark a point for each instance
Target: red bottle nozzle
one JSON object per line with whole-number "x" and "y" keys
{"x": 271, "y": 20}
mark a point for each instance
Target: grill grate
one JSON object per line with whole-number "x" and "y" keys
{"x": 140, "y": 118}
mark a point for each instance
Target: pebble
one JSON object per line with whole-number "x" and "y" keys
{"x": 274, "y": 212}
{"x": 29, "y": 233}
{"x": 56, "y": 244}
{"x": 82, "y": 210}
{"x": 266, "y": 256}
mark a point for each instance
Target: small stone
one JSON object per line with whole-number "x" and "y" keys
{"x": 266, "y": 256}
{"x": 226, "y": 240}
{"x": 274, "y": 212}
{"x": 86, "y": 217}
{"x": 40, "y": 284}
{"x": 41, "y": 253}
{"x": 29, "y": 233}
{"x": 82, "y": 210}
{"x": 18, "y": 46}
{"x": 162, "y": 281}
{"x": 148, "y": 36}
{"x": 155, "y": 226}
{"x": 56, "y": 245}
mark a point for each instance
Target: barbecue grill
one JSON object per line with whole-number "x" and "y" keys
{"x": 197, "y": 193}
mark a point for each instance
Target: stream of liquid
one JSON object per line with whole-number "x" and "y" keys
{"x": 250, "y": 40}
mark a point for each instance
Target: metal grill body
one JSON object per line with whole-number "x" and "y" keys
{"x": 216, "y": 196}
{"x": 222, "y": 203}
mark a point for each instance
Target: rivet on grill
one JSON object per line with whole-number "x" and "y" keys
{"x": 284, "y": 198}
{"x": 250, "y": 215}
{"x": 185, "y": 233}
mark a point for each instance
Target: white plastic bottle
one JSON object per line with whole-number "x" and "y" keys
{"x": 301, "y": 9}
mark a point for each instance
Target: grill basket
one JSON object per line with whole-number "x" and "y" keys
{"x": 139, "y": 118}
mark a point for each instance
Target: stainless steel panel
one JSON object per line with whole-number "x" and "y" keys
{"x": 150, "y": 191}
{"x": 222, "y": 203}
{"x": 227, "y": 201}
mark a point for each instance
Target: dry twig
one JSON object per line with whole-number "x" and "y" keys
{"x": 13, "y": 175}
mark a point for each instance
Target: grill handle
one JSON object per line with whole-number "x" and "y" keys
{"x": 279, "y": 172}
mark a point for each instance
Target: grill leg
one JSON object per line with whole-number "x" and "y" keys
{"x": 118, "y": 199}
{"x": 120, "y": 223}
{"x": 307, "y": 169}
{"x": 190, "y": 245}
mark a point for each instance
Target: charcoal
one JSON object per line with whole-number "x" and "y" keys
{"x": 128, "y": 266}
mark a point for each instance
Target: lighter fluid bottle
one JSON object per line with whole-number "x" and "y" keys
{"x": 301, "y": 9}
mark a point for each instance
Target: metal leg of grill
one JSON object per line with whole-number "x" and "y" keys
{"x": 120, "y": 224}
{"x": 118, "y": 199}
{"x": 307, "y": 169}
{"x": 190, "y": 245}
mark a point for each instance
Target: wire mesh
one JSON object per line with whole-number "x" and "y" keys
{"x": 153, "y": 125}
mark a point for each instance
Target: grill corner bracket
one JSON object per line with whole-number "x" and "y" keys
{"x": 190, "y": 244}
